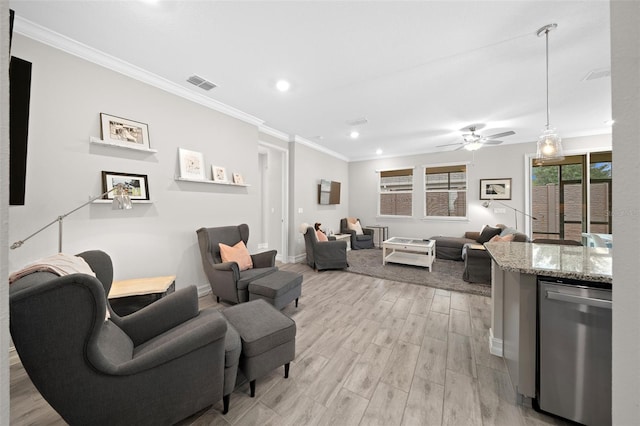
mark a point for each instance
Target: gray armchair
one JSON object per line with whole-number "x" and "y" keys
{"x": 156, "y": 366}
{"x": 325, "y": 254}
{"x": 358, "y": 242}
{"x": 226, "y": 280}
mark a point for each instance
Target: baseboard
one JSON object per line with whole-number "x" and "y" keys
{"x": 298, "y": 259}
{"x": 203, "y": 290}
{"x": 495, "y": 345}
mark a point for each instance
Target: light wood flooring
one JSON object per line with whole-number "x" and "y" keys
{"x": 368, "y": 352}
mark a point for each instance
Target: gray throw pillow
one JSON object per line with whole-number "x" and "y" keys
{"x": 487, "y": 233}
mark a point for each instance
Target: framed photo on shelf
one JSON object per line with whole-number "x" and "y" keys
{"x": 137, "y": 185}
{"x": 219, "y": 174}
{"x": 238, "y": 179}
{"x": 191, "y": 164}
{"x": 495, "y": 189}
{"x": 122, "y": 131}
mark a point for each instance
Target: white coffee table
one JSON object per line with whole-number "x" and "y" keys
{"x": 344, "y": 237}
{"x": 409, "y": 251}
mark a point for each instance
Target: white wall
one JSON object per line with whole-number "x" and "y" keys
{"x": 625, "y": 78}
{"x": 4, "y": 213}
{"x": 505, "y": 161}
{"x": 64, "y": 170}
{"x": 308, "y": 168}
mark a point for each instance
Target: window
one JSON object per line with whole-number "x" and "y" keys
{"x": 572, "y": 196}
{"x": 446, "y": 191}
{"x": 396, "y": 192}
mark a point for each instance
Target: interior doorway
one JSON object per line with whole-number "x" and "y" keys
{"x": 274, "y": 189}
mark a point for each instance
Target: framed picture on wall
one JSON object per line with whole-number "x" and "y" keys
{"x": 137, "y": 185}
{"x": 122, "y": 131}
{"x": 191, "y": 164}
{"x": 219, "y": 174}
{"x": 495, "y": 189}
{"x": 238, "y": 179}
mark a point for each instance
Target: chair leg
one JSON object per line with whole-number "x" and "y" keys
{"x": 286, "y": 371}
{"x": 218, "y": 299}
{"x": 252, "y": 386}
{"x": 225, "y": 403}
{"x": 296, "y": 302}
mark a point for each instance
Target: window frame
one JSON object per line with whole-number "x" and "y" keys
{"x": 411, "y": 191}
{"x": 464, "y": 218}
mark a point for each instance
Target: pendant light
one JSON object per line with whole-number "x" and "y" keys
{"x": 549, "y": 142}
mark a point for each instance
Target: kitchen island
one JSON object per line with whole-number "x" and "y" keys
{"x": 515, "y": 269}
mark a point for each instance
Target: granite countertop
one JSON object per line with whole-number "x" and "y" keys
{"x": 554, "y": 260}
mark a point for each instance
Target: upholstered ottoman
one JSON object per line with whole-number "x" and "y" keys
{"x": 279, "y": 288}
{"x": 268, "y": 339}
{"x": 232, "y": 350}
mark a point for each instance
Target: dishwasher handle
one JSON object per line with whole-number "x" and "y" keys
{"x": 570, "y": 298}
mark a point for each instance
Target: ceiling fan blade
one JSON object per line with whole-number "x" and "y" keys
{"x": 450, "y": 144}
{"x": 499, "y": 135}
{"x": 491, "y": 142}
{"x": 460, "y": 147}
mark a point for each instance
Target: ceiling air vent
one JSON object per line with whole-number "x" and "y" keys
{"x": 202, "y": 83}
{"x": 358, "y": 122}
{"x": 595, "y": 74}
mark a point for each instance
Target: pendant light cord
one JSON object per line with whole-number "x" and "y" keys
{"x": 547, "y": 56}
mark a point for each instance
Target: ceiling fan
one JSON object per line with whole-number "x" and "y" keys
{"x": 473, "y": 141}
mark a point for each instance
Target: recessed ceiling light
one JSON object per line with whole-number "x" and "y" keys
{"x": 354, "y": 134}
{"x": 283, "y": 85}
{"x": 378, "y": 151}
{"x": 609, "y": 122}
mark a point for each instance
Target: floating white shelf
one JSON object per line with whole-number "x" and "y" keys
{"x": 125, "y": 145}
{"x": 101, "y": 201}
{"x": 210, "y": 181}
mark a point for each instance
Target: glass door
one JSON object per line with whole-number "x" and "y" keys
{"x": 564, "y": 204}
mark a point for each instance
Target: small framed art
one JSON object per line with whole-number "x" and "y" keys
{"x": 495, "y": 189}
{"x": 122, "y": 131}
{"x": 137, "y": 185}
{"x": 219, "y": 174}
{"x": 238, "y": 179}
{"x": 191, "y": 164}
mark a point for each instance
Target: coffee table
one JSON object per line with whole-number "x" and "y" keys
{"x": 409, "y": 251}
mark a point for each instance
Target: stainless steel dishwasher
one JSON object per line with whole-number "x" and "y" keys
{"x": 574, "y": 350}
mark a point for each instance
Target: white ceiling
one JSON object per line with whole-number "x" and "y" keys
{"x": 418, "y": 71}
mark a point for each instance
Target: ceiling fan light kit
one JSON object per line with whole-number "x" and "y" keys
{"x": 549, "y": 147}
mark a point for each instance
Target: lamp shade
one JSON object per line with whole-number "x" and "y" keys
{"x": 549, "y": 146}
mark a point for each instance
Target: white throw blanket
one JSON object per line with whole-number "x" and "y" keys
{"x": 60, "y": 264}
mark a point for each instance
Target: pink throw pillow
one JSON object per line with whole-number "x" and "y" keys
{"x": 321, "y": 236}
{"x": 499, "y": 239}
{"x": 238, "y": 254}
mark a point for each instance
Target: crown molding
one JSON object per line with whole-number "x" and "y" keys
{"x": 58, "y": 41}
{"x": 275, "y": 133}
{"x": 313, "y": 145}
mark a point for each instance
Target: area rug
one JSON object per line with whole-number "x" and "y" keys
{"x": 446, "y": 274}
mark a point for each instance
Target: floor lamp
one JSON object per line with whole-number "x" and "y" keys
{"x": 486, "y": 205}
{"x": 121, "y": 201}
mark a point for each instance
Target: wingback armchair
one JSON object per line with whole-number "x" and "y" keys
{"x": 227, "y": 281}
{"x": 325, "y": 254}
{"x": 156, "y": 366}
{"x": 363, "y": 241}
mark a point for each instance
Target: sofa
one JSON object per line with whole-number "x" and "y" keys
{"x": 470, "y": 249}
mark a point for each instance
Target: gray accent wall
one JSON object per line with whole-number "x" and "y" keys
{"x": 64, "y": 170}
{"x": 308, "y": 167}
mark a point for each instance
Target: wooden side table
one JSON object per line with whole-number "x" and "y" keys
{"x": 344, "y": 237}
{"x": 128, "y": 296}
